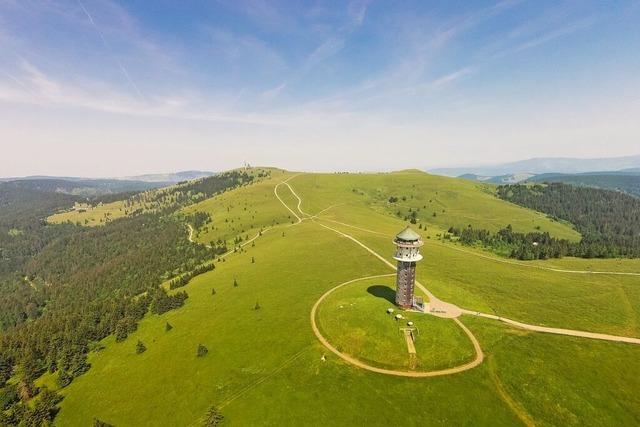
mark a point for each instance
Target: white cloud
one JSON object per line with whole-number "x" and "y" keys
{"x": 451, "y": 77}
{"x": 274, "y": 91}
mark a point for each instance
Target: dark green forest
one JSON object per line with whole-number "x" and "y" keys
{"x": 63, "y": 287}
{"x": 609, "y": 222}
{"x": 628, "y": 182}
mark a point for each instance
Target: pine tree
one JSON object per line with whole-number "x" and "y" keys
{"x": 140, "y": 347}
{"x": 235, "y": 283}
{"x": 168, "y": 327}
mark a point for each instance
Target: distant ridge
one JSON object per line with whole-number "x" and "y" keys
{"x": 170, "y": 177}
{"x": 541, "y": 165}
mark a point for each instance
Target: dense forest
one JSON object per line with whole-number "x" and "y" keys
{"x": 63, "y": 287}
{"x": 86, "y": 188}
{"x": 524, "y": 246}
{"x": 609, "y": 222}
{"x": 628, "y": 182}
{"x": 23, "y": 228}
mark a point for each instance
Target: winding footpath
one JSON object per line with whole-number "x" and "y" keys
{"x": 275, "y": 191}
{"x": 438, "y": 307}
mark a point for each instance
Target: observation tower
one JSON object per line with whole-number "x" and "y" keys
{"x": 408, "y": 244}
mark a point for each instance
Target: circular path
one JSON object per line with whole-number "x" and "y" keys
{"x": 400, "y": 373}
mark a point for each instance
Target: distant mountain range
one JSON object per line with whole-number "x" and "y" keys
{"x": 541, "y": 165}
{"x": 87, "y": 188}
{"x": 171, "y": 177}
{"x": 95, "y": 187}
{"x": 616, "y": 173}
{"x": 512, "y": 178}
{"x": 159, "y": 177}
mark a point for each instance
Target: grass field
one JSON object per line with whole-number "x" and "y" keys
{"x": 598, "y": 303}
{"x": 243, "y": 212}
{"x": 90, "y": 216}
{"x": 455, "y": 202}
{"x": 355, "y": 321}
{"x": 264, "y": 365}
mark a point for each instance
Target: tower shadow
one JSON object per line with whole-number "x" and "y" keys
{"x": 383, "y": 291}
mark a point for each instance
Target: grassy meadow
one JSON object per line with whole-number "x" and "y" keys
{"x": 354, "y": 319}
{"x": 243, "y": 211}
{"x": 89, "y": 215}
{"x": 264, "y": 365}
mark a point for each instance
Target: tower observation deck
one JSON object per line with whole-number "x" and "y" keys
{"x": 408, "y": 244}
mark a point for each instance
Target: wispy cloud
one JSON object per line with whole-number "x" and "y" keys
{"x": 36, "y": 88}
{"x": 356, "y": 12}
{"x": 554, "y": 34}
{"x": 108, "y": 48}
{"x": 274, "y": 91}
{"x": 451, "y": 77}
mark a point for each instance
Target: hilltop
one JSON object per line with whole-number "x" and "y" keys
{"x": 277, "y": 242}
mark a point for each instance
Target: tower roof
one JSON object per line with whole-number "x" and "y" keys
{"x": 408, "y": 235}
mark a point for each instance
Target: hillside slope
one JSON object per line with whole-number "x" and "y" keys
{"x": 628, "y": 182}
{"x": 264, "y": 365}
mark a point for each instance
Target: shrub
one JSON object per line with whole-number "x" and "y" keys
{"x": 64, "y": 379}
{"x": 202, "y": 350}
{"x": 213, "y": 417}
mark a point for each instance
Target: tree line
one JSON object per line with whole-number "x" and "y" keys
{"x": 183, "y": 280}
{"x": 609, "y": 221}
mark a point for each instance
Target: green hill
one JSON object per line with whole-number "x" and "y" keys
{"x": 265, "y": 366}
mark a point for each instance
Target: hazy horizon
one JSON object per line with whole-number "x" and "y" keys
{"x": 444, "y": 167}
{"x": 108, "y": 89}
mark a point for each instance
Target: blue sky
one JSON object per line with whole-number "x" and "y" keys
{"x": 103, "y": 88}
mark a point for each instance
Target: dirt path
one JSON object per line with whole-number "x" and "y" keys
{"x": 190, "y": 233}
{"x": 275, "y": 191}
{"x": 557, "y": 331}
{"x": 296, "y": 196}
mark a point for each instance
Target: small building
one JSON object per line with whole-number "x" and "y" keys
{"x": 408, "y": 244}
